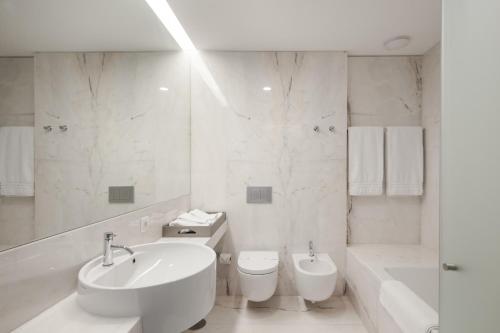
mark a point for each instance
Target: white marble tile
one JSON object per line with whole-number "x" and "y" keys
{"x": 35, "y": 276}
{"x": 122, "y": 130}
{"x": 385, "y": 91}
{"x": 431, "y": 120}
{"x": 267, "y": 138}
{"x": 384, "y": 220}
{"x": 283, "y": 313}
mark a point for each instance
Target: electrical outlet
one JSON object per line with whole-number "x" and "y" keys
{"x": 144, "y": 223}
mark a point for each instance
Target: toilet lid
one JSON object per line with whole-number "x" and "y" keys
{"x": 258, "y": 262}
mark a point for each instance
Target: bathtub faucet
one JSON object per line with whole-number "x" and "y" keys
{"x": 311, "y": 250}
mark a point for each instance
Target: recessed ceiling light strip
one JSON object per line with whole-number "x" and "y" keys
{"x": 170, "y": 21}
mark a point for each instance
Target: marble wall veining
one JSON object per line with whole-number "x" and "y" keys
{"x": 35, "y": 276}
{"x": 266, "y": 138}
{"x": 385, "y": 91}
{"x": 122, "y": 130}
{"x": 431, "y": 120}
{"x": 16, "y": 109}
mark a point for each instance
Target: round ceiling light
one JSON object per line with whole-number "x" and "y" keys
{"x": 397, "y": 43}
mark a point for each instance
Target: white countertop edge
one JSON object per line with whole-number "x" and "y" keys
{"x": 67, "y": 316}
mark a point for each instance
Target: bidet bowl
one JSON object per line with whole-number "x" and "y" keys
{"x": 315, "y": 277}
{"x": 171, "y": 286}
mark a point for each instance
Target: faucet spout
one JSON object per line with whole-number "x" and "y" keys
{"x": 123, "y": 247}
{"x": 311, "y": 249}
{"x": 107, "y": 258}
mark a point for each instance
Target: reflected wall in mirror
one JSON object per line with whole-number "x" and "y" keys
{"x": 100, "y": 120}
{"x": 17, "y": 213}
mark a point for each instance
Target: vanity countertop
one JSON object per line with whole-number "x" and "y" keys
{"x": 67, "y": 316}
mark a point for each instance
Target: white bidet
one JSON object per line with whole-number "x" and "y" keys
{"x": 315, "y": 276}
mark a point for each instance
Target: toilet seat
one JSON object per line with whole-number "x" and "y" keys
{"x": 258, "y": 262}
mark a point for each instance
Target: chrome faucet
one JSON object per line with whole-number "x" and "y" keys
{"x": 311, "y": 250}
{"x": 107, "y": 258}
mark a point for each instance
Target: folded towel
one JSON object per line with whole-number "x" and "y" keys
{"x": 195, "y": 217}
{"x": 17, "y": 161}
{"x": 405, "y": 161}
{"x": 366, "y": 160}
{"x": 409, "y": 311}
{"x": 184, "y": 223}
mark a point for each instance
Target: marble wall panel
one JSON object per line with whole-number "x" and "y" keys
{"x": 266, "y": 138}
{"x": 385, "y": 91}
{"x": 128, "y": 124}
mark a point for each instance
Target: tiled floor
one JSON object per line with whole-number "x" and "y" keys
{"x": 282, "y": 314}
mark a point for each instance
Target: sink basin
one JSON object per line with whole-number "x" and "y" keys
{"x": 171, "y": 286}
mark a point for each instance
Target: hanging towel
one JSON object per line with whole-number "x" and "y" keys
{"x": 366, "y": 160}
{"x": 405, "y": 161}
{"x": 16, "y": 161}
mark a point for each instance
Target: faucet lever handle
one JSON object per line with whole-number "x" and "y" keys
{"x": 109, "y": 235}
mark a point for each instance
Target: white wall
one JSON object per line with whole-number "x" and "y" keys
{"x": 385, "y": 91}
{"x": 267, "y": 138}
{"x": 431, "y": 121}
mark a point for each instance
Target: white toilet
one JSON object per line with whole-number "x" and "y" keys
{"x": 258, "y": 272}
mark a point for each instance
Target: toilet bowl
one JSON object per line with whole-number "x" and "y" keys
{"x": 315, "y": 277}
{"x": 258, "y": 272}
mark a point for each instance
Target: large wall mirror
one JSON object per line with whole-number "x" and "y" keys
{"x": 94, "y": 115}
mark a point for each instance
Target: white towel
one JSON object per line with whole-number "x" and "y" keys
{"x": 366, "y": 160}
{"x": 409, "y": 311}
{"x": 405, "y": 161}
{"x": 195, "y": 217}
{"x": 16, "y": 161}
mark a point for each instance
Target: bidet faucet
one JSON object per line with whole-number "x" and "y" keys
{"x": 311, "y": 250}
{"x": 107, "y": 258}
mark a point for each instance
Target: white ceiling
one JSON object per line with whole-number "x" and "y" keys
{"x": 358, "y": 26}
{"x": 28, "y": 26}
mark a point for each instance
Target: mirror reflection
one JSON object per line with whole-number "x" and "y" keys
{"x": 87, "y": 133}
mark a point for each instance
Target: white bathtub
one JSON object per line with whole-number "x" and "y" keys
{"x": 411, "y": 300}
{"x": 423, "y": 281}
{"x": 411, "y": 270}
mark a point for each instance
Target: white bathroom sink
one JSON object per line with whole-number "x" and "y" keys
{"x": 170, "y": 285}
